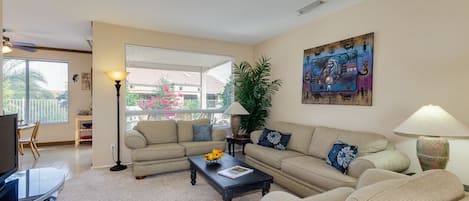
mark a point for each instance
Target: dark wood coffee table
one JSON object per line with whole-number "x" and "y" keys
{"x": 225, "y": 186}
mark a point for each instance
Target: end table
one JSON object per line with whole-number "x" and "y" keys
{"x": 236, "y": 140}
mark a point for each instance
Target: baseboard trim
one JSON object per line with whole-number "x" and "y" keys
{"x": 44, "y": 144}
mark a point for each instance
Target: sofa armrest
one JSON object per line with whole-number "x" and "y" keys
{"x": 337, "y": 194}
{"x": 388, "y": 159}
{"x": 219, "y": 134}
{"x": 255, "y": 136}
{"x": 135, "y": 140}
{"x": 374, "y": 175}
{"x": 280, "y": 196}
{"x": 424, "y": 186}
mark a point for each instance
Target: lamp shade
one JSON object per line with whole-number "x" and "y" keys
{"x": 6, "y": 49}
{"x": 117, "y": 75}
{"x": 236, "y": 109}
{"x": 432, "y": 120}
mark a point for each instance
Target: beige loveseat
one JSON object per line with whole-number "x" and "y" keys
{"x": 383, "y": 185}
{"x": 163, "y": 146}
{"x": 302, "y": 168}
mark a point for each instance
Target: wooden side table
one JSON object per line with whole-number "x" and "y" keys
{"x": 236, "y": 140}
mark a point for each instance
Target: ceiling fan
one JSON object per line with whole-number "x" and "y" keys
{"x": 9, "y": 45}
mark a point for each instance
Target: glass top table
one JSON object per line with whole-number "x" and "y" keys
{"x": 38, "y": 184}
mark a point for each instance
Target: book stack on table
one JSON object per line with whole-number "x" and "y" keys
{"x": 235, "y": 172}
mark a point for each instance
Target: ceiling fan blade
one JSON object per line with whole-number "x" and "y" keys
{"x": 28, "y": 49}
{"x": 23, "y": 44}
{"x": 7, "y": 30}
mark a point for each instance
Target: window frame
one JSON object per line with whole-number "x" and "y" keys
{"x": 195, "y": 69}
{"x": 27, "y": 90}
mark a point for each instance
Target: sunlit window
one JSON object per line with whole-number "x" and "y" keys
{"x": 36, "y": 90}
{"x": 178, "y": 94}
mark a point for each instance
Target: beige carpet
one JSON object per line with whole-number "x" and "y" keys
{"x": 103, "y": 185}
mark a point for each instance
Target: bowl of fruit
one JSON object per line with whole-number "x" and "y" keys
{"x": 213, "y": 157}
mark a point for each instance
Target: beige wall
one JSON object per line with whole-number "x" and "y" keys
{"x": 420, "y": 57}
{"x": 78, "y": 99}
{"x": 109, "y": 54}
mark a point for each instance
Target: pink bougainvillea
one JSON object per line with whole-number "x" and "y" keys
{"x": 168, "y": 100}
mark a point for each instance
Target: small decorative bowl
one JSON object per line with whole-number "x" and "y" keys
{"x": 87, "y": 125}
{"x": 212, "y": 162}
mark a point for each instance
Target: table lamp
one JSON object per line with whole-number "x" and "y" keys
{"x": 432, "y": 123}
{"x": 235, "y": 110}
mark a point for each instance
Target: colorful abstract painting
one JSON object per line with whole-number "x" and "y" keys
{"x": 339, "y": 73}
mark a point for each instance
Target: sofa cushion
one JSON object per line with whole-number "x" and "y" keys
{"x": 341, "y": 155}
{"x": 184, "y": 129}
{"x": 255, "y": 135}
{"x": 158, "y": 152}
{"x": 202, "y": 132}
{"x": 268, "y": 155}
{"x": 274, "y": 139}
{"x": 158, "y": 132}
{"x": 316, "y": 172}
{"x": 324, "y": 138}
{"x": 219, "y": 134}
{"x": 198, "y": 148}
{"x": 300, "y": 135}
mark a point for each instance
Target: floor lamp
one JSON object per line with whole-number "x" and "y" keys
{"x": 432, "y": 124}
{"x": 117, "y": 77}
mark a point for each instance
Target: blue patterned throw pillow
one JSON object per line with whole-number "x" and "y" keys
{"x": 341, "y": 155}
{"x": 202, "y": 133}
{"x": 274, "y": 139}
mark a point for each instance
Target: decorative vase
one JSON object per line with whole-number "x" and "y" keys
{"x": 432, "y": 152}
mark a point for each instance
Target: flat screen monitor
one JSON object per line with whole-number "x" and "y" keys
{"x": 8, "y": 146}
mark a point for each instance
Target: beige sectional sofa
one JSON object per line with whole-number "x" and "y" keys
{"x": 302, "y": 168}
{"x": 163, "y": 146}
{"x": 383, "y": 185}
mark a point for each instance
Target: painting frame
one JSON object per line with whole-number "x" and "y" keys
{"x": 85, "y": 81}
{"x": 339, "y": 73}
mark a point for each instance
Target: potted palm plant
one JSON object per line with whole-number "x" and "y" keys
{"x": 253, "y": 89}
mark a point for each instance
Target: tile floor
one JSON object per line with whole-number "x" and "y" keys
{"x": 71, "y": 160}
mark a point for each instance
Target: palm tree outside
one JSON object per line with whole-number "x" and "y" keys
{"x": 24, "y": 93}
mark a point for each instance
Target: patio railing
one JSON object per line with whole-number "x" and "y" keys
{"x": 45, "y": 110}
{"x": 216, "y": 116}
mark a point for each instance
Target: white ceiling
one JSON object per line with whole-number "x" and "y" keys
{"x": 67, "y": 23}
